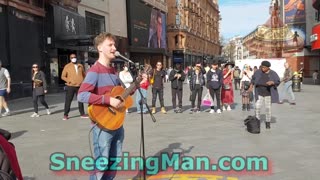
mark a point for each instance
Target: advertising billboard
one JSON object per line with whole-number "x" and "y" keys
{"x": 297, "y": 39}
{"x": 147, "y": 25}
{"x": 294, "y": 11}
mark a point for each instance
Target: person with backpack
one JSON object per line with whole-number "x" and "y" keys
{"x": 236, "y": 77}
{"x": 9, "y": 164}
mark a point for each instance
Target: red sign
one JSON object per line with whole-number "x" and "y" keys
{"x": 315, "y": 37}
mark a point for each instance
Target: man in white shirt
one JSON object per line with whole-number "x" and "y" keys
{"x": 5, "y": 82}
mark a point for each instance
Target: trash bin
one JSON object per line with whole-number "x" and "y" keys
{"x": 296, "y": 84}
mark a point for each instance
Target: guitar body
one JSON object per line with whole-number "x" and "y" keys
{"x": 108, "y": 117}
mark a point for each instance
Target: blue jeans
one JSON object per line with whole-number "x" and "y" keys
{"x": 138, "y": 98}
{"x": 287, "y": 89}
{"x": 107, "y": 144}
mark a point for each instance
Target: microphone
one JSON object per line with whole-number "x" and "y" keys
{"x": 117, "y": 54}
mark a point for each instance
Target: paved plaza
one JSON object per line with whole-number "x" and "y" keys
{"x": 292, "y": 145}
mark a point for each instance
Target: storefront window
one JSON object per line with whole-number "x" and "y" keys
{"x": 95, "y": 23}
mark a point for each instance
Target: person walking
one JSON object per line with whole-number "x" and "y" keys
{"x": 177, "y": 76}
{"x": 245, "y": 91}
{"x": 196, "y": 85}
{"x": 227, "y": 96}
{"x": 39, "y": 89}
{"x": 287, "y": 85}
{"x": 73, "y": 74}
{"x": 214, "y": 84}
{"x": 158, "y": 77}
{"x": 265, "y": 82}
{"x": 5, "y": 88}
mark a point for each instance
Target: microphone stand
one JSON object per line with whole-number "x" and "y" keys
{"x": 142, "y": 146}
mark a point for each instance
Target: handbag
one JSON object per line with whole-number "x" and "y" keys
{"x": 226, "y": 86}
{"x": 246, "y": 85}
{"x": 152, "y": 79}
{"x": 38, "y": 83}
{"x": 207, "y": 100}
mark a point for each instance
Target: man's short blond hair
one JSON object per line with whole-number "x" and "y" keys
{"x": 102, "y": 37}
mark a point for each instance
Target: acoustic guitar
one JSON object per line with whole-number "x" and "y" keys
{"x": 108, "y": 117}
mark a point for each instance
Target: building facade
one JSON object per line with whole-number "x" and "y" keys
{"x": 105, "y": 16}
{"x": 286, "y": 34}
{"x": 315, "y": 37}
{"x": 21, "y": 41}
{"x": 193, "y": 31}
{"x": 147, "y": 31}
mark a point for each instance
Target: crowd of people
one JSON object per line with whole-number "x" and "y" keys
{"x": 220, "y": 82}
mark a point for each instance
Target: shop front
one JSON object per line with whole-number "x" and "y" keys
{"x": 65, "y": 35}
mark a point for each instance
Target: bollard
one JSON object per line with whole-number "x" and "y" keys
{"x": 296, "y": 84}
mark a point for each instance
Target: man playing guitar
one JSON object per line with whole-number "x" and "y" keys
{"x": 100, "y": 80}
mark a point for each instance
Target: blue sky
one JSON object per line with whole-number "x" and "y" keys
{"x": 240, "y": 17}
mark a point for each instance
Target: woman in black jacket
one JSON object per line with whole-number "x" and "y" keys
{"x": 197, "y": 82}
{"x": 39, "y": 86}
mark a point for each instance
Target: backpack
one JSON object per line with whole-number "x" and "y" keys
{"x": 9, "y": 165}
{"x": 253, "y": 124}
{"x": 236, "y": 73}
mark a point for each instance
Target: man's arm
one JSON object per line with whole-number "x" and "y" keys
{"x": 172, "y": 75}
{"x": 64, "y": 74}
{"x": 276, "y": 79}
{"x": 221, "y": 77}
{"x": 83, "y": 71}
{"x": 183, "y": 76}
{"x": 86, "y": 91}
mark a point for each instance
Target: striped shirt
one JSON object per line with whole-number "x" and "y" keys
{"x": 98, "y": 81}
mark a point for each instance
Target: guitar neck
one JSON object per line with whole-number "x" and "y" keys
{"x": 132, "y": 87}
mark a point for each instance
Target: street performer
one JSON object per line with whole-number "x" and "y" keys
{"x": 100, "y": 79}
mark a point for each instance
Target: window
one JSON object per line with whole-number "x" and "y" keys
{"x": 177, "y": 19}
{"x": 95, "y": 24}
{"x": 177, "y": 3}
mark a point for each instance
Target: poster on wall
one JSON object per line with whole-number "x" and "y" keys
{"x": 297, "y": 39}
{"x": 294, "y": 11}
{"x": 147, "y": 26}
{"x": 157, "y": 31}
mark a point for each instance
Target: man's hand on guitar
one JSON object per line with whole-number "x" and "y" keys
{"x": 116, "y": 103}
